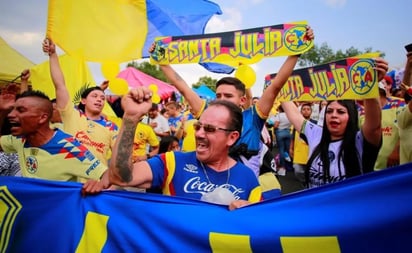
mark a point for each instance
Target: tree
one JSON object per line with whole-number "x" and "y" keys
{"x": 324, "y": 54}
{"x": 147, "y": 68}
{"x": 207, "y": 81}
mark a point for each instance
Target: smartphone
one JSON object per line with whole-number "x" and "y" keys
{"x": 408, "y": 47}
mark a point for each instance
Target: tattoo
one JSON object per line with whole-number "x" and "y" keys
{"x": 125, "y": 149}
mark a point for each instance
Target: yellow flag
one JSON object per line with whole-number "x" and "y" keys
{"x": 105, "y": 30}
{"x": 77, "y": 77}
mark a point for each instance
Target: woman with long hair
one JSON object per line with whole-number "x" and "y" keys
{"x": 340, "y": 149}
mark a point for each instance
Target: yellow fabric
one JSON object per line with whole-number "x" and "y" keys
{"x": 300, "y": 151}
{"x": 93, "y": 29}
{"x": 12, "y": 62}
{"x": 189, "y": 141}
{"x": 98, "y": 138}
{"x": 390, "y": 135}
{"x": 171, "y": 168}
{"x": 76, "y": 75}
{"x": 144, "y": 135}
{"x": 268, "y": 182}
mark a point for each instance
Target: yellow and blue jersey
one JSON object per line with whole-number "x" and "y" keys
{"x": 63, "y": 158}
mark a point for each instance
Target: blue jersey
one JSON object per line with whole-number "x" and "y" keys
{"x": 181, "y": 174}
{"x": 251, "y": 130}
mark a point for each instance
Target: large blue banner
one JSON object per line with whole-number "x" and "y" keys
{"x": 371, "y": 213}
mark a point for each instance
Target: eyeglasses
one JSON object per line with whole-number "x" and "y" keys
{"x": 209, "y": 128}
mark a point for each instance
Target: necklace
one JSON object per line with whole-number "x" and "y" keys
{"x": 207, "y": 177}
{"x": 218, "y": 194}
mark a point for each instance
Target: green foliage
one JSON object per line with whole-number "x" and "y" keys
{"x": 323, "y": 54}
{"x": 78, "y": 95}
{"x": 147, "y": 68}
{"x": 207, "y": 81}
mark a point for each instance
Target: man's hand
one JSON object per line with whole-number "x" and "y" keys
{"x": 382, "y": 67}
{"x": 7, "y": 101}
{"x": 393, "y": 158}
{"x": 238, "y": 204}
{"x": 152, "y": 48}
{"x": 25, "y": 75}
{"x": 92, "y": 187}
{"x": 49, "y": 47}
{"x": 137, "y": 102}
{"x": 310, "y": 35}
{"x": 104, "y": 85}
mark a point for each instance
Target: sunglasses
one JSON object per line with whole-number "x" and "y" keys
{"x": 209, "y": 128}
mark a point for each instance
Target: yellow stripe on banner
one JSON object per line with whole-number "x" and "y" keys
{"x": 229, "y": 243}
{"x": 9, "y": 208}
{"x": 171, "y": 167}
{"x": 369, "y": 55}
{"x": 321, "y": 244}
{"x": 94, "y": 234}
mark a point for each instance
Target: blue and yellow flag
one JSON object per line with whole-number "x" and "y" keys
{"x": 369, "y": 213}
{"x": 122, "y": 30}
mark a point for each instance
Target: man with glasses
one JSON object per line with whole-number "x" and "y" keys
{"x": 249, "y": 147}
{"x": 208, "y": 173}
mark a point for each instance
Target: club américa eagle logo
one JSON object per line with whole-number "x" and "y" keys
{"x": 31, "y": 164}
{"x": 362, "y": 76}
{"x": 294, "y": 39}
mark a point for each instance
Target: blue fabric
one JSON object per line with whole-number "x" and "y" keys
{"x": 205, "y": 92}
{"x": 283, "y": 138}
{"x": 370, "y": 213}
{"x": 251, "y": 129}
{"x": 174, "y": 18}
{"x": 217, "y": 67}
{"x": 183, "y": 17}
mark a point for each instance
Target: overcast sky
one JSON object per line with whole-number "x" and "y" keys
{"x": 381, "y": 25}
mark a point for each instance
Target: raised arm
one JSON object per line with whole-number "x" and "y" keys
{"x": 195, "y": 102}
{"x": 62, "y": 94}
{"x": 265, "y": 103}
{"x": 249, "y": 99}
{"x": 371, "y": 128}
{"x": 25, "y": 75}
{"x": 406, "y": 82}
{"x": 6, "y": 104}
{"x": 122, "y": 171}
{"x": 293, "y": 114}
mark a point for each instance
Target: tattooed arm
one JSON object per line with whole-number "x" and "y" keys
{"x": 122, "y": 170}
